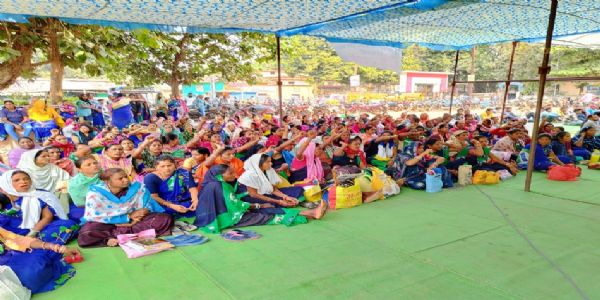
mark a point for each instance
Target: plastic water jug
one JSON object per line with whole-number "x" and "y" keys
{"x": 595, "y": 157}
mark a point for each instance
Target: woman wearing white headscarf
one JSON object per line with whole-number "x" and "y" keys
{"x": 44, "y": 175}
{"x": 259, "y": 180}
{"x": 230, "y": 132}
{"x": 33, "y": 212}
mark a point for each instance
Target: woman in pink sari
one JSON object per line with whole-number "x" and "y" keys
{"x": 14, "y": 156}
{"x": 306, "y": 165}
{"x": 112, "y": 157}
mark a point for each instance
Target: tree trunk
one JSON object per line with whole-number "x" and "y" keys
{"x": 58, "y": 68}
{"x": 12, "y": 69}
{"x": 179, "y": 57}
{"x": 174, "y": 84}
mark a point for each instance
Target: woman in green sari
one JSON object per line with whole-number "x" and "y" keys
{"x": 78, "y": 186}
{"x": 219, "y": 207}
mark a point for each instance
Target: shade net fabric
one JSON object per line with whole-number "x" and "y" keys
{"x": 194, "y": 15}
{"x": 382, "y": 57}
{"x": 462, "y": 24}
{"x": 437, "y": 24}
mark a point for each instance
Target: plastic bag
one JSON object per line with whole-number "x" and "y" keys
{"x": 372, "y": 180}
{"x": 283, "y": 183}
{"x": 131, "y": 252}
{"x": 486, "y": 177}
{"x": 312, "y": 193}
{"x": 344, "y": 197}
{"x": 11, "y": 287}
{"x": 346, "y": 175}
{"x": 390, "y": 187}
{"x": 465, "y": 175}
{"x": 504, "y": 175}
{"x": 564, "y": 173}
{"x": 433, "y": 182}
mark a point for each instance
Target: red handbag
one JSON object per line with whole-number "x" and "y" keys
{"x": 564, "y": 173}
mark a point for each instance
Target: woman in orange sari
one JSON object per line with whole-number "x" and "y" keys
{"x": 44, "y": 119}
{"x": 224, "y": 156}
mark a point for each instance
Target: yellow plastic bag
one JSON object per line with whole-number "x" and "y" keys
{"x": 377, "y": 181}
{"x": 283, "y": 183}
{"x": 345, "y": 197}
{"x": 486, "y": 177}
{"x": 372, "y": 182}
{"x": 312, "y": 193}
{"x": 492, "y": 178}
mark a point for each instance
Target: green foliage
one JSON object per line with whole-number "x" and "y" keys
{"x": 88, "y": 48}
{"x": 155, "y": 57}
{"x": 491, "y": 61}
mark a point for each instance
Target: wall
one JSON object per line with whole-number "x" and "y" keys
{"x": 439, "y": 81}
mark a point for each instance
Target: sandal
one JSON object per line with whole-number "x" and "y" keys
{"x": 252, "y": 235}
{"x": 186, "y": 239}
{"x": 185, "y": 226}
{"x": 234, "y": 236}
{"x": 309, "y": 205}
{"x": 177, "y": 231}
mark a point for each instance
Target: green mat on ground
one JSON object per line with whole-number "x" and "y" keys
{"x": 449, "y": 245}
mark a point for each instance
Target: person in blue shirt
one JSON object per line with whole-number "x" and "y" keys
{"x": 544, "y": 156}
{"x": 200, "y": 105}
{"x": 84, "y": 108}
{"x": 15, "y": 119}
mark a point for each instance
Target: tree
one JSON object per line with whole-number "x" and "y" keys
{"x": 376, "y": 76}
{"x": 313, "y": 57}
{"x": 84, "y": 47}
{"x": 88, "y": 48}
{"x": 412, "y": 58}
{"x": 18, "y": 43}
{"x": 156, "y": 57}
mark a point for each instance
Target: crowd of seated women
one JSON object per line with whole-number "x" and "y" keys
{"x": 242, "y": 168}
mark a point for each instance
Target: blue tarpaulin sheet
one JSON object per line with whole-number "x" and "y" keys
{"x": 437, "y": 24}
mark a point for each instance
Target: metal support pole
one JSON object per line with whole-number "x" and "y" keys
{"x": 454, "y": 81}
{"x": 508, "y": 80}
{"x": 543, "y": 70}
{"x": 279, "y": 82}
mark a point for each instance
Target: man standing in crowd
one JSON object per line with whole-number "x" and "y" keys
{"x": 84, "y": 108}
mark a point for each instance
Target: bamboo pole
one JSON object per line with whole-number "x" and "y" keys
{"x": 279, "y": 82}
{"x": 543, "y": 70}
{"x": 454, "y": 81}
{"x": 508, "y": 79}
